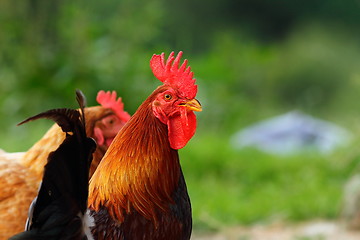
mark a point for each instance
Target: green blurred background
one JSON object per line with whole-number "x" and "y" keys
{"x": 252, "y": 59}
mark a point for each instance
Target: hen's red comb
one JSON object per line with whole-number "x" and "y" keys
{"x": 108, "y": 100}
{"x": 171, "y": 74}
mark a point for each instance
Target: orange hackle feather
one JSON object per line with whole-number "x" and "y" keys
{"x": 134, "y": 175}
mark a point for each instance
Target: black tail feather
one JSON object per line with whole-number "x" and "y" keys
{"x": 62, "y": 198}
{"x": 64, "y": 117}
{"x": 82, "y": 103}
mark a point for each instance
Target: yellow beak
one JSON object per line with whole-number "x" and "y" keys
{"x": 193, "y": 105}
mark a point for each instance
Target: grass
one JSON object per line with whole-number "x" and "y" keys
{"x": 244, "y": 187}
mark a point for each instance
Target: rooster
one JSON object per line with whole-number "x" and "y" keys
{"x": 59, "y": 209}
{"x": 138, "y": 190}
{"x": 21, "y": 173}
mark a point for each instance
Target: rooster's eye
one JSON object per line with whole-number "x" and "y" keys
{"x": 167, "y": 97}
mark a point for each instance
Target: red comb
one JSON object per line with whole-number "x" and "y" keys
{"x": 171, "y": 74}
{"x": 108, "y": 100}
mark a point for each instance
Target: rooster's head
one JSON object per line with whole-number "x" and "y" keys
{"x": 175, "y": 101}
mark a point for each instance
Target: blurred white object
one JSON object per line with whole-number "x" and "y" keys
{"x": 290, "y": 133}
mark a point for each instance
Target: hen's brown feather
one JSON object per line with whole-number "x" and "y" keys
{"x": 18, "y": 186}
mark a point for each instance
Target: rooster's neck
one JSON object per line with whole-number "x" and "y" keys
{"x": 140, "y": 170}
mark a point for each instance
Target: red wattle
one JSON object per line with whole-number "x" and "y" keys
{"x": 181, "y": 128}
{"x": 98, "y": 135}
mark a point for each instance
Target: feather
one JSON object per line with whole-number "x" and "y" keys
{"x": 64, "y": 117}
{"x": 59, "y": 210}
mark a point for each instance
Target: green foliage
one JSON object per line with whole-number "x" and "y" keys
{"x": 246, "y": 80}
{"x": 49, "y": 50}
{"x": 247, "y": 186}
